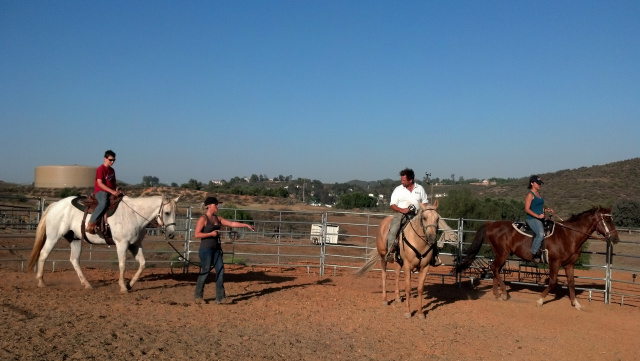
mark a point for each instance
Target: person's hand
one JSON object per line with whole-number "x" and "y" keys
{"x": 251, "y": 228}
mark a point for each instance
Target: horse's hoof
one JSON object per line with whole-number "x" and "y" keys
{"x": 407, "y": 315}
{"x": 88, "y": 287}
{"x": 504, "y": 297}
{"x": 539, "y": 302}
{"x": 422, "y": 316}
{"x": 385, "y": 303}
{"x": 398, "y": 300}
{"x": 577, "y": 306}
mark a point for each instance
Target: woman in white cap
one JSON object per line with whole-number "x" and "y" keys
{"x": 210, "y": 253}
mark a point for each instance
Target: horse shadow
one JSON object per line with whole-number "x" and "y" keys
{"x": 253, "y": 277}
{"x": 265, "y": 291}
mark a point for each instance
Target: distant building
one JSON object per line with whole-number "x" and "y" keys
{"x": 485, "y": 183}
{"x": 64, "y": 176}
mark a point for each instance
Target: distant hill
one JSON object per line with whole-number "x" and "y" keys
{"x": 575, "y": 190}
{"x": 566, "y": 191}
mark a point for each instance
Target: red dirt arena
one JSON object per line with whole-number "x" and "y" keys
{"x": 287, "y": 314}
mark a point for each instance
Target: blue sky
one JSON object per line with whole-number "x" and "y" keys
{"x": 326, "y": 90}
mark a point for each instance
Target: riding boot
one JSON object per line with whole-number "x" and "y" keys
{"x": 91, "y": 228}
{"x": 393, "y": 251}
{"x": 537, "y": 258}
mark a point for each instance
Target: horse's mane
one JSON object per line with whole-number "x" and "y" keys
{"x": 575, "y": 217}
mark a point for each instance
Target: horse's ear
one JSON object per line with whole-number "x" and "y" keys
{"x": 176, "y": 199}
{"x": 435, "y": 204}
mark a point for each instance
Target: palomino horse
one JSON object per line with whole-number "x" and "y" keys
{"x": 564, "y": 247}
{"x": 63, "y": 219}
{"x": 417, "y": 240}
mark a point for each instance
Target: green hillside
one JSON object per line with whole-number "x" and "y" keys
{"x": 574, "y": 190}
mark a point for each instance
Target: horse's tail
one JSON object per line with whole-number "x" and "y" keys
{"x": 41, "y": 236}
{"x": 367, "y": 266}
{"x": 474, "y": 248}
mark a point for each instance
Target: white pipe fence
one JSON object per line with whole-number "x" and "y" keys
{"x": 283, "y": 238}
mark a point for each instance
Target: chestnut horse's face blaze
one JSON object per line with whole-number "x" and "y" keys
{"x": 606, "y": 227}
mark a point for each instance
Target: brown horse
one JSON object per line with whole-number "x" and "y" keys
{"x": 564, "y": 247}
{"x": 417, "y": 240}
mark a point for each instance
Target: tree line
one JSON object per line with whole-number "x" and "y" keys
{"x": 460, "y": 201}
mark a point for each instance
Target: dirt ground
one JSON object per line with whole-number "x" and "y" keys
{"x": 287, "y": 314}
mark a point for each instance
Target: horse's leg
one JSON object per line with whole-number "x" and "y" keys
{"x": 121, "y": 250}
{"x": 499, "y": 288}
{"x": 398, "y": 270}
{"x": 421, "y": 278}
{"x": 44, "y": 254}
{"x": 407, "y": 288}
{"x": 76, "y": 248}
{"x": 383, "y": 269}
{"x": 136, "y": 251}
{"x": 568, "y": 269}
{"x": 553, "y": 278}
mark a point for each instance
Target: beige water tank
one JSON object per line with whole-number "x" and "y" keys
{"x": 64, "y": 176}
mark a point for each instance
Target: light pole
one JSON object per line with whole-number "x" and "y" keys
{"x": 428, "y": 181}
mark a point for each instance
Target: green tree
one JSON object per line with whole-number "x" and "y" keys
{"x": 356, "y": 200}
{"x": 192, "y": 184}
{"x": 626, "y": 213}
{"x": 150, "y": 181}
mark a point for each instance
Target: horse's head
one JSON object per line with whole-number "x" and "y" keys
{"x": 429, "y": 219}
{"x": 605, "y": 226}
{"x": 167, "y": 216}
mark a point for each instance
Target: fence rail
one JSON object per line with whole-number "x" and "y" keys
{"x": 284, "y": 238}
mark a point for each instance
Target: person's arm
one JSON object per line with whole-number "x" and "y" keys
{"x": 105, "y": 188}
{"x": 399, "y": 210}
{"x": 202, "y": 221}
{"x": 527, "y": 207}
{"x": 231, "y": 224}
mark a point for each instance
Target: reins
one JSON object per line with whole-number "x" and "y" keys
{"x": 159, "y": 220}
{"x": 422, "y": 237}
{"x": 607, "y": 234}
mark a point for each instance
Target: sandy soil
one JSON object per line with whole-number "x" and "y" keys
{"x": 287, "y": 314}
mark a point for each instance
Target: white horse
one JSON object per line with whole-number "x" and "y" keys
{"x": 63, "y": 219}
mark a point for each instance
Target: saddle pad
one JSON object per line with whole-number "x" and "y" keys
{"x": 523, "y": 228}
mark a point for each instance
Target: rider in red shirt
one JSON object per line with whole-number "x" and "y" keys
{"x": 104, "y": 185}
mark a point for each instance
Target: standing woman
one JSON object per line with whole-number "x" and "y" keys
{"x": 534, "y": 207}
{"x": 208, "y": 230}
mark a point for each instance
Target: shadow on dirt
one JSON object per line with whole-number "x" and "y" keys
{"x": 265, "y": 291}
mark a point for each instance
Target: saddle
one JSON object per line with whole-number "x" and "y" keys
{"x": 523, "y": 228}
{"x": 88, "y": 204}
{"x": 549, "y": 227}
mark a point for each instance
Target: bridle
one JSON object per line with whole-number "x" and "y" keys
{"x": 600, "y": 216}
{"x": 423, "y": 226}
{"x": 158, "y": 218}
{"x": 160, "y": 221}
{"x": 424, "y": 237}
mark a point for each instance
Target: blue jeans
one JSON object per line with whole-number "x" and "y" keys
{"x": 538, "y": 229}
{"x": 208, "y": 256}
{"x": 103, "y": 203}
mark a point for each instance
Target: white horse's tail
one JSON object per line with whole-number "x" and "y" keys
{"x": 367, "y": 266}
{"x": 41, "y": 236}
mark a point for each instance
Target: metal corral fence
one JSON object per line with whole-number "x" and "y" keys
{"x": 320, "y": 241}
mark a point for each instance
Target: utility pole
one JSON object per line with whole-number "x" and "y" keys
{"x": 428, "y": 181}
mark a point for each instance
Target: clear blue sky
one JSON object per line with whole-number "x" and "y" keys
{"x": 326, "y": 90}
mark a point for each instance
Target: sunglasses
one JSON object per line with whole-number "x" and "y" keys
{"x": 111, "y": 159}
{"x": 538, "y": 181}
